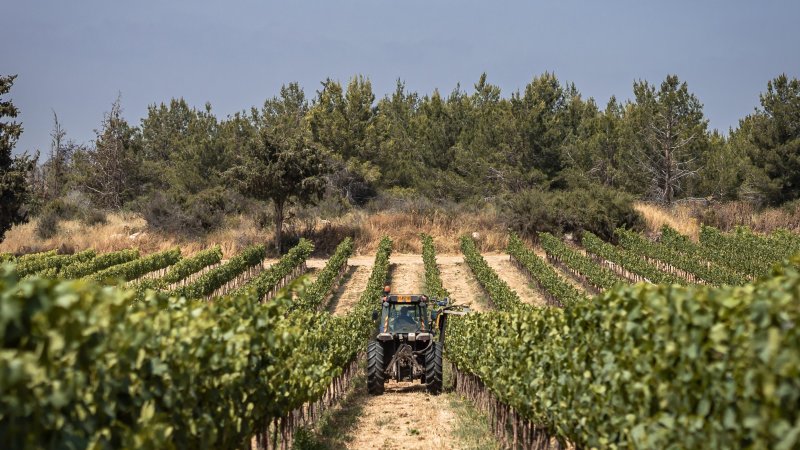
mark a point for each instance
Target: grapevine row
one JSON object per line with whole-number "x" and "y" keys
{"x": 35, "y": 256}
{"x": 160, "y": 374}
{"x": 595, "y": 275}
{"x": 290, "y": 266}
{"x": 668, "y": 259}
{"x": 785, "y": 243}
{"x": 212, "y": 280}
{"x": 180, "y": 271}
{"x": 558, "y": 291}
{"x": 742, "y": 251}
{"x": 336, "y": 341}
{"x": 361, "y": 315}
{"x": 247, "y": 367}
{"x": 433, "y": 279}
{"x": 104, "y": 261}
{"x": 316, "y": 294}
{"x": 188, "y": 266}
{"x": 627, "y": 261}
{"x": 50, "y": 265}
{"x": 711, "y": 258}
{"x": 549, "y": 369}
{"x": 501, "y": 295}
{"x": 333, "y": 343}
{"x": 138, "y": 267}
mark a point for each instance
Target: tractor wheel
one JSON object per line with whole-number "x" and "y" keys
{"x": 433, "y": 369}
{"x": 376, "y": 372}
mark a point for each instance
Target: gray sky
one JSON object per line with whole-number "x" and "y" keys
{"x": 75, "y": 56}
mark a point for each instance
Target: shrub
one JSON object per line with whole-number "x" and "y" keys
{"x": 92, "y": 216}
{"x": 163, "y": 213}
{"x": 189, "y": 214}
{"x": 47, "y": 226}
{"x": 598, "y": 209}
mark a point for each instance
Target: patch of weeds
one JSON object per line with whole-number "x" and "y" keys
{"x": 335, "y": 427}
{"x": 383, "y": 421}
{"x": 471, "y": 430}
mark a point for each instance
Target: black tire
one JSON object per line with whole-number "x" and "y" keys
{"x": 433, "y": 369}
{"x": 376, "y": 370}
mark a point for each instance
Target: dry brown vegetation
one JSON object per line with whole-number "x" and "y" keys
{"x": 686, "y": 217}
{"x": 677, "y": 217}
{"x": 445, "y": 228}
{"x": 124, "y": 230}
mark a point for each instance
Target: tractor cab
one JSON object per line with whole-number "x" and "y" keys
{"x": 405, "y": 314}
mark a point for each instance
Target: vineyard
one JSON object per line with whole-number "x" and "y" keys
{"x": 641, "y": 343}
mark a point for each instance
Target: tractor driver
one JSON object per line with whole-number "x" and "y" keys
{"x": 404, "y": 318}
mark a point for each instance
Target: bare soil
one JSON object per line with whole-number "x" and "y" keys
{"x": 316, "y": 263}
{"x": 518, "y": 281}
{"x": 404, "y": 417}
{"x": 407, "y": 274}
{"x": 565, "y": 275}
{"x": 462, "y": 286}
{"x": 350, "y": 290}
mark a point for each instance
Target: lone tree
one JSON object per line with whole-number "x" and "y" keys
{"x": 14, "y": 192}
{"x": 282, "y": 164}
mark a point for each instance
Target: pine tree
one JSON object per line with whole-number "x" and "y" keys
{"x": 14, "y": 171}
{"x": 670, "y": 136}
{"x": 774, "y": 132}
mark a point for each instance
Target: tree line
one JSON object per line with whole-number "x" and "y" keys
{"x": 185, "y": 168}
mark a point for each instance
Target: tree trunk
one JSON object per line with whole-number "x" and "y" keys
{"x": 279, "y": 227}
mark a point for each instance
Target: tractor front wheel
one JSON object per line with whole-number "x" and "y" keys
{"x": 376, "y": 370}
{"x": 433, "y": 369}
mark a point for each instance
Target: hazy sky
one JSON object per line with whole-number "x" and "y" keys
{"x": 75, "y": 56}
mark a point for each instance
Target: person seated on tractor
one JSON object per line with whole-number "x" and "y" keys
{"x": 404, "y": 319}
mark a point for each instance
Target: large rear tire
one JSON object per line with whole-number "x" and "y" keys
{"x": 433, "y": 369}
{"x": 376, "y": 370}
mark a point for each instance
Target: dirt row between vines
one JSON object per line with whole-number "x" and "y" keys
{"x": 405, "y": 416}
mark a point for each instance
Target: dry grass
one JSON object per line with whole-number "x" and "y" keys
{"x": 446, "y": 229}
{"x": 772, "y": 219}
{"x": 125, "y": 230}
{"x": 678, "y": 217}
{"x": 113, "y": 235}
{"x": 686, "y": 217}
{"x": 727, "y": 216}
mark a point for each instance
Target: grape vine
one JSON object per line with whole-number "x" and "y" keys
{"x": 558, "y": 291}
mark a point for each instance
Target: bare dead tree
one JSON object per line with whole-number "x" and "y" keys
{"x": 111, "y": 161}
{"x": 672, "y": 132}
{"x": 54, "y": 170}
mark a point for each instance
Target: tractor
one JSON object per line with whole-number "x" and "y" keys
{"x": 409, "y": 342}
